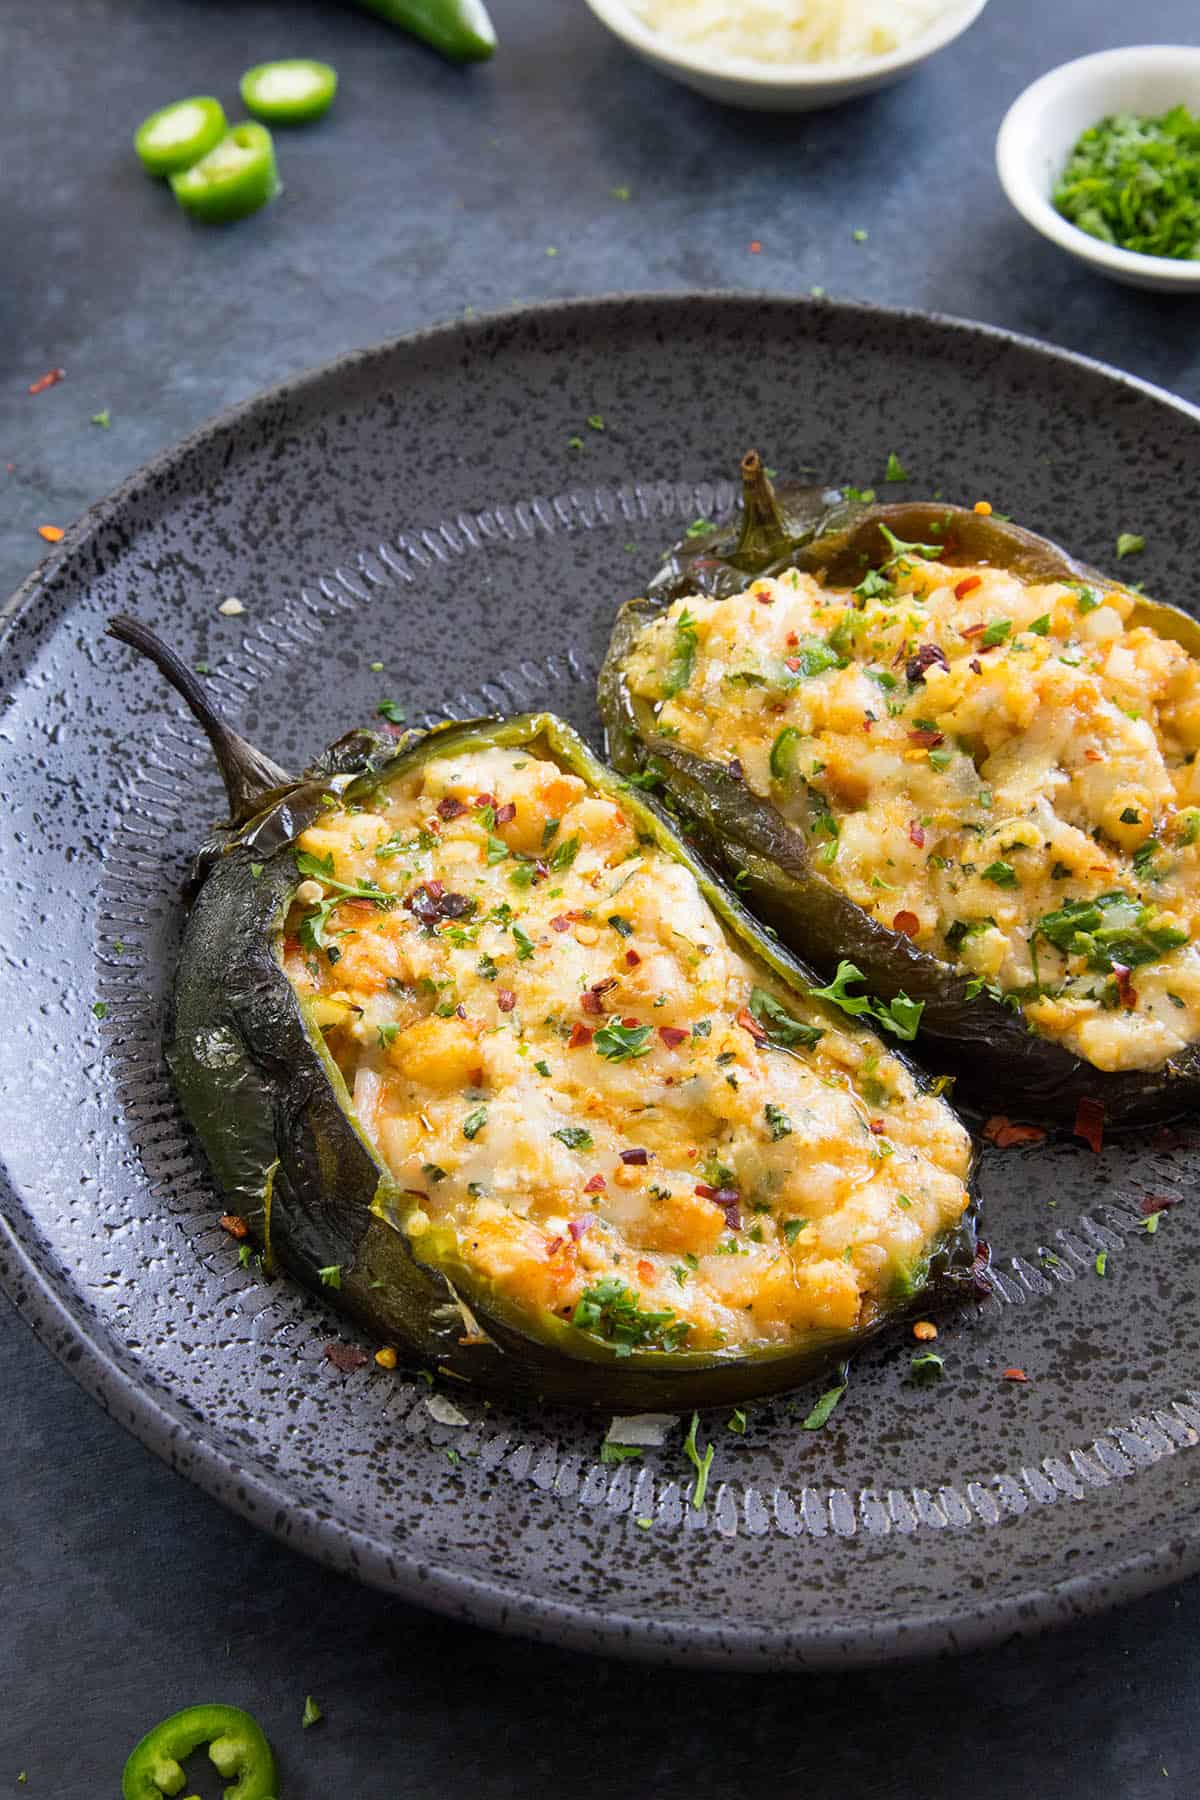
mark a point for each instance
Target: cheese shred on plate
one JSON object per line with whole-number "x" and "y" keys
{"x": 793, "y": 31}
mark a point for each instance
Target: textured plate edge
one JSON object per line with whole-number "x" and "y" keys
{"x": 863, "y": 1643}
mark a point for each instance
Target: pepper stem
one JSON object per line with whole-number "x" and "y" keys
{"x": 764, "y": 536}
{"x": 249, "y": 776}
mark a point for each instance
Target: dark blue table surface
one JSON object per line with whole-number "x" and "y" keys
{"x": 124, "y": 1593}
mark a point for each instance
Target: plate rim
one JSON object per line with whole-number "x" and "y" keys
{"x": 162, "y": 1426}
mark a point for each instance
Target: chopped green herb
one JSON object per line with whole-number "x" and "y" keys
{"x": 792, "y": 1229}
{"x": 1130, "y": 544}
{"x": 1040, "y": 626}
{"x": 618, "y": 1043}
{"x": 100, "y": 1009}
{"x": 736, "y": 1422}
{"x": 474, "y": 1122}
{"x": 595, "y": 422}
{"x": 331, "y": 1276}
{"x": 928, "y": 1366}
{"x": 895, "y": 468}
{"x": 997, "y": 631}
{"x": 1086, "y": 600}
{"x": 542, "y": 1067}
{"x": 900, "y": 1016}
{"x": 617, "y": 1453}
{"x": 565, "y": 853}
{"x": 701, "y": 1463}
{"x": 1002, "y": 874}
{"x": 102, "y": 418}
{"x": 1150, "y": 1223}
{"x": 940, "y": 760}
{"x": 682, "y": 665}
{"x": 312, "y": 1714}
{"x": 783, "y": 1031}
{"x": 575, "y": 1137}
{"x": 392, "y": 711}
{"x": 858, "y": 497}
{"x": 778, "y": 1121}
{"x": 523, "y": 942}
{"x": 387, "y": 1034}
{"x": 1134, "y": 181}
{"x": 620, "y": 925}
{"x": 900, "y": 549}
{"x": 696, "y": 529}
{"x": 610, "y": 1310}
{"x": 1102, "y": 1262}
{"x": 825, "y": 1405}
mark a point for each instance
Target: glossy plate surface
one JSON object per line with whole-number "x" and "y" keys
{"x": 443, "y": 506}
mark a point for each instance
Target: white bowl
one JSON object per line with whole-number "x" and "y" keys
{"x": 780, "y": 87}
{"x": 1040, "y": 129}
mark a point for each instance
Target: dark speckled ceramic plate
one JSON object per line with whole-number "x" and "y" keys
{"x": 424, "y": 506}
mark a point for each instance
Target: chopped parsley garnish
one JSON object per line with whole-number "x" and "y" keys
{"x": 858, "y": 496}
{"x": 331, "y": 1276}
{"x": 1112, "y": 928}
{"x": 825, "y": 1405}
{"x": 899, "y": 549}
{"x": 387, "y": 1034}
{"x": 1134, "y": 181}
{"x": 312, "y": 1713}
{"x": 617, "y": 1453}
{"x": 811, "y": 657}
{"x": 1040, "y": 626}
{"x": 875, "y": 586}
{"x": 618, "y": 1043}
{"x": 548, "y": 831}
{"x": 996, "y": 633}
{"x": 940, "y": 760}
{"x": 610, "y": 1310}
{"x": 928, "y": 1366}
{"x": 392, "y": 711}
{"x": 682, "y": 665}
{"x": 575, "y": 1137}
{"x": 312, "y": 932}
{"x": 701, "y": 1463}
{"x": 900, "y": 1016}
{"x": 1102, "y": 1262}
{"x": 474, "y": 1122}
{"x": 778, "y": 1121}
{"x": 100, "y": 1009}
{"x": 543, "y": 1068}
{"x": 792, "y": 1229}
{"x": 895, "y": 468}
{"x": 1086, "y": 600}
{"x": 783, "y": 1031}
{"x": 698, "y": 527}
{"x": 433, "y": 1172}
{"x": 620, "y": 925}
{"x": 1001, "y": 874}
{"x": 524, "y": 943}
{"x": 565, "y": 853}
{"x": 487, "y": 968}
{"x": 1129, "y": 543}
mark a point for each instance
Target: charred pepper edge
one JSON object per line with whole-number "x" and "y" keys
{"x": 840, "y": 542}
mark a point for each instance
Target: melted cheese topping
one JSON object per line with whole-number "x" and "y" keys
{"x": 546, "y": 1034}
{"x": 975, "y": 762}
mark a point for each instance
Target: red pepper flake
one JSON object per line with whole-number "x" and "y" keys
{"x": 755, "y": 247}
{"x": 580, "y": 1035}
{"x": 1149, "y": 1203}
{"x": 672, "y": 1036}
{"x": 1126, "y": 992}
{"x": 927, "y": 740}
{"x": 554, "y": 1245}
{"x": 764, "y": 596}
{"x": 561, "y": 923}
{"x": 484, "y": 800}
{"x": 636, "y": 1158}
{"x": 748, "y": 1022}
{"x": 1094, "y": 755}
{"x": 645, "y": 1269}
{"x": 967, "y": 585}
{"x": 235, "y": 1225}
{"x": 878, "y": 1127}
{"x": 1089, "y": 1123}
{"x": 50, "y": 379}
{"x": 906, "y": 922}
{"x": 793, "y": 663}
{"x": 792, "y": 638}
{"x": 595, "y": 1184}
{"x": 506, "y": 813}
{"x": 632, "y": 958}
{"x": 450, "y": 808}
{"x": 975, "y": 666}
{"x": 916, "y": 833}
{"x": 346, "y": 1357}
{"x": 53, "y": 534}
{"x": 628, "y": 1023}
{"x": 577, "y": 1227}
{"x": 970, "y": 631}
{"x": 1013, "y": 1375}
{"x": 705, "y": 1192}
{"x": 1004, "y": 1134}
{"x": 505, "y": 999}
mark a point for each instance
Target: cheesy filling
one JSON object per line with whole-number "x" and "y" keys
{"x": 1005, "y": 772}
{"x": 586, "y": 1091}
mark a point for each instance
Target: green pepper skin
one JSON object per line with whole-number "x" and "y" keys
{"x": 276, "y": 1120}
{"x": 460, "y": 29}
{"x": 237, "y": 1747}
{"x": 1000, "y": 1062}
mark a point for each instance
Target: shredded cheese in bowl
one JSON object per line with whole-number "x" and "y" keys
{"x": 793, "y": 31}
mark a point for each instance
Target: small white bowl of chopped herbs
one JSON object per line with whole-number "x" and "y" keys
{"x": 786, "y": 55}
{"x": 1102, "y": 156}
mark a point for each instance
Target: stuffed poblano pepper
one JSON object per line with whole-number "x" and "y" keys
{"x": 934, "y": 746}
{"x": 483, "y": 1054}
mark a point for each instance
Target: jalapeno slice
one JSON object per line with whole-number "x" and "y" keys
{"x": 289, "y": 93}
{"x": 176, "y": 136}
{"x": 236, "y": 1747}
{"x": 236, "y": 177}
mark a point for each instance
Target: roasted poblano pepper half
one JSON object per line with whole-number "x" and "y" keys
{"x": 607, "y": 1099}
{"x": 1109, "y": 916}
